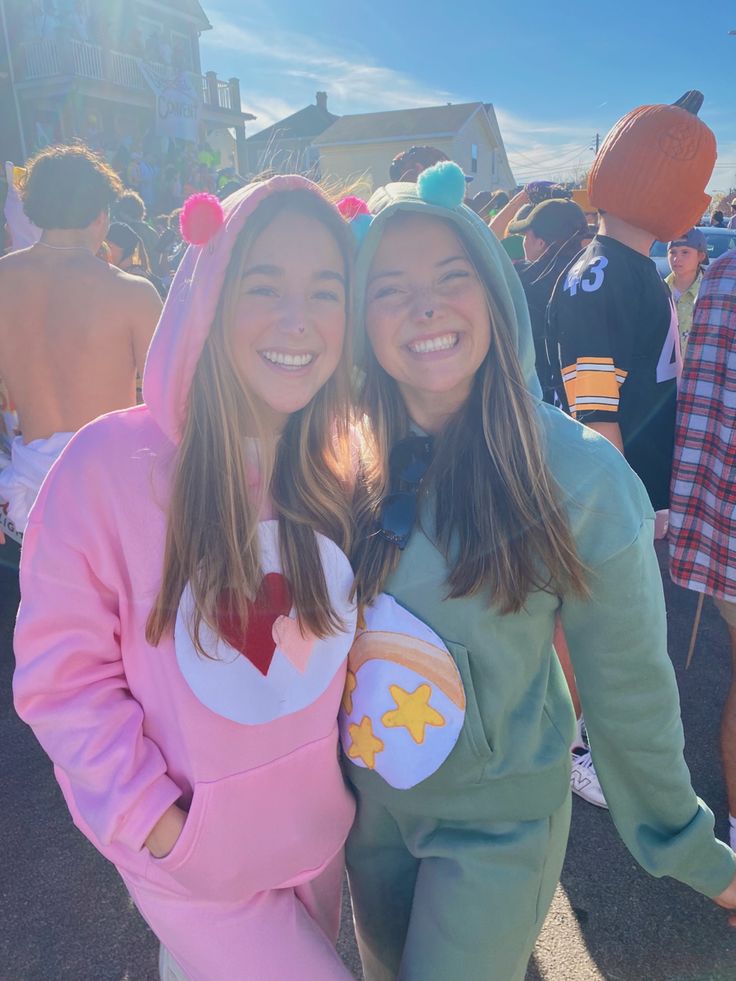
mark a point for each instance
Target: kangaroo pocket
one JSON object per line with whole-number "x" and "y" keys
{"x": 278, "y": 824}
{"x": 473, "y": 733}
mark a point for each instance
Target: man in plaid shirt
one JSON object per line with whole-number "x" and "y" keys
{"x": 703, "y": 494}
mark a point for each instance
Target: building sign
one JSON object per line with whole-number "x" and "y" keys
{"x": 178, "y": 102}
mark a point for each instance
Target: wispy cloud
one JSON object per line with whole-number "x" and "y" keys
{"x": 560, "y": 149}
{"x": 724, "y": 176}
{"x": 525, "y": 131}
{"x": 354, "y": 82}
{"x": 549, "y": 149}
{"x": 267, "y": 109}
{"x": 286, "y": 68}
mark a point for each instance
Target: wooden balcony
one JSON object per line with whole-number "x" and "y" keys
{"x": 42, "y": 60}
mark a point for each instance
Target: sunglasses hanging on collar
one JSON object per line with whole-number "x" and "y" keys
{"x": 408, "y": 463}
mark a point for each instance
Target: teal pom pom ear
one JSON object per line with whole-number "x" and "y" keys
{"x": 442, "y": 184}
{"x": 360, "y": 225}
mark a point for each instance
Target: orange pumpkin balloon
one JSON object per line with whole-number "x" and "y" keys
{"x": 653, "y": 166}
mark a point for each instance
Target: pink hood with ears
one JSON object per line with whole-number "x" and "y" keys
{"x": 191, "y": 305}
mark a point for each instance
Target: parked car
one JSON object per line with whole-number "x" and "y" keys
{"x": 719, "y": 240}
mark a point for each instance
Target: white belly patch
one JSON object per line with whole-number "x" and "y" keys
{"x": 270, "y": 670}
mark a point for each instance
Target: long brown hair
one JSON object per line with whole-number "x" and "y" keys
{"x": 212, "y": 526}
{"x": 498, "y": 510}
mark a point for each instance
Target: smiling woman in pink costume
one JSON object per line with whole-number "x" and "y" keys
{"x": 185, "y": 613}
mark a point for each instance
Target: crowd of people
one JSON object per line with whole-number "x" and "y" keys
{"x": 143, "y": 238}
{"x": 390, "y": 489}
{"x": 165, "y": 177}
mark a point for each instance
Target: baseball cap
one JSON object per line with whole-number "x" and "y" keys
{"x": 693, "y": 239}
{"x": 553, "y": 220}
{"x": 524, "y": 211}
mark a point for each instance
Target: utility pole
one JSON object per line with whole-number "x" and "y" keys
{"x": 11, "y": 73}
{"x": 597, "y": 143}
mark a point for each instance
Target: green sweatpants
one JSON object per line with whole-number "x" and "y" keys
{"x": 434, "y": 900}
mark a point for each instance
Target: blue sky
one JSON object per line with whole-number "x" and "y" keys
{"x": 554, "y": 76}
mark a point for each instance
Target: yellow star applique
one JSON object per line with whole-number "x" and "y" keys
{"x": 412, "y": 711}
{"x": 364, "y": 744}
{"x": 347, "y": 695}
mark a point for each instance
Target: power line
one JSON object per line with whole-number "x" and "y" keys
{"x": 552, "y": 157}
{"x": 566, "y": 157}
{"x": 544, "y": 161}
{"x": 547, "y": 172}
{"x": 555, "y": 166}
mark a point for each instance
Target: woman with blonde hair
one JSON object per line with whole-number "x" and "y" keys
{"x": 485, "y": 513}
{"x": 186, "y": 614}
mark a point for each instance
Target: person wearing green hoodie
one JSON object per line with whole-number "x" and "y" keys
{"x": 483, "y": 513}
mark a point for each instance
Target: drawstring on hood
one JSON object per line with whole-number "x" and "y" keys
{"x": 191, "y": 305}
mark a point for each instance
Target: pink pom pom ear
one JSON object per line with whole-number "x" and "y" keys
{"x": 201, "y": 218}
{"x": 350, "y": 207}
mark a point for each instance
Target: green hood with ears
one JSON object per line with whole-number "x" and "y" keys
{"x": 498, "y": 270}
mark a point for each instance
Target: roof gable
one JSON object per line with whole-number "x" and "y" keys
{"x": 191, "y": 8}
{"x": 410, "y": 125}
{"x": 490, "y": 115}
{"x": 304, "y": 124}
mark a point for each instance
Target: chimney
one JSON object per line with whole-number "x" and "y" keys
{"x": 322, "y": 101}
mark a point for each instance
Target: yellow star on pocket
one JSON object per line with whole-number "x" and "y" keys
{"x": 364, "y": 744}
{"x": 347, "y": 695}
{"x": 413, "y": 711}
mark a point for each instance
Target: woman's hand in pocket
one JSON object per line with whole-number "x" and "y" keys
{"x": 166, "y": 831}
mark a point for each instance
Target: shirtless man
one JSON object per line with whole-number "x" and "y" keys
{"x": 73, "y": 329}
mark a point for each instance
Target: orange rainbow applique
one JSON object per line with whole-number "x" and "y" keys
{"x": 403, "y": 707}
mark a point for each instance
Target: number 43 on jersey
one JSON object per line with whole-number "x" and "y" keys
{"x": 588, "y": 278}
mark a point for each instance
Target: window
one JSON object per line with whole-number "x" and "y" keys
{"x": 154, "y": 40}
{"x": 474, "y": 158}
{"x": 181, "y": 45}
{"x": 149, "y": 28}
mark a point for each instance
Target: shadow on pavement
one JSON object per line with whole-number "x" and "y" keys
{"x": 64, "y": 914}
{"x": 635, "y": 927}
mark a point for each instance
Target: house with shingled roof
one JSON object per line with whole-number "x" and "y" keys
{"x": 362, "y": 146}
{"x": 286, "y": 146}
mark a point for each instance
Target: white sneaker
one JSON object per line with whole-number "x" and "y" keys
{"x": 584, "y": 780}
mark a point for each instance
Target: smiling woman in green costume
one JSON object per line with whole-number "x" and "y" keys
{"x": 484, "y": 513}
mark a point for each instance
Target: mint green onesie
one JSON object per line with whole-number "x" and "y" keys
{"x": 457, "y": 723}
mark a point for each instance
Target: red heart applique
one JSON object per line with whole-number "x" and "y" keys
{"x": 257, "y": 643}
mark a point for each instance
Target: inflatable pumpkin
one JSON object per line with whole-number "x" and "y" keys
{"x": 653, "y": 166}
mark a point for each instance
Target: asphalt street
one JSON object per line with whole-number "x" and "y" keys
{"x": 64, "y": 915}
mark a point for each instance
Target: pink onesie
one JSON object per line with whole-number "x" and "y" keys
{"x": 245, "y": 740}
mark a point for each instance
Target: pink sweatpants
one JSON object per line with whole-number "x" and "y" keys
{"x": 279, "y": 935}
